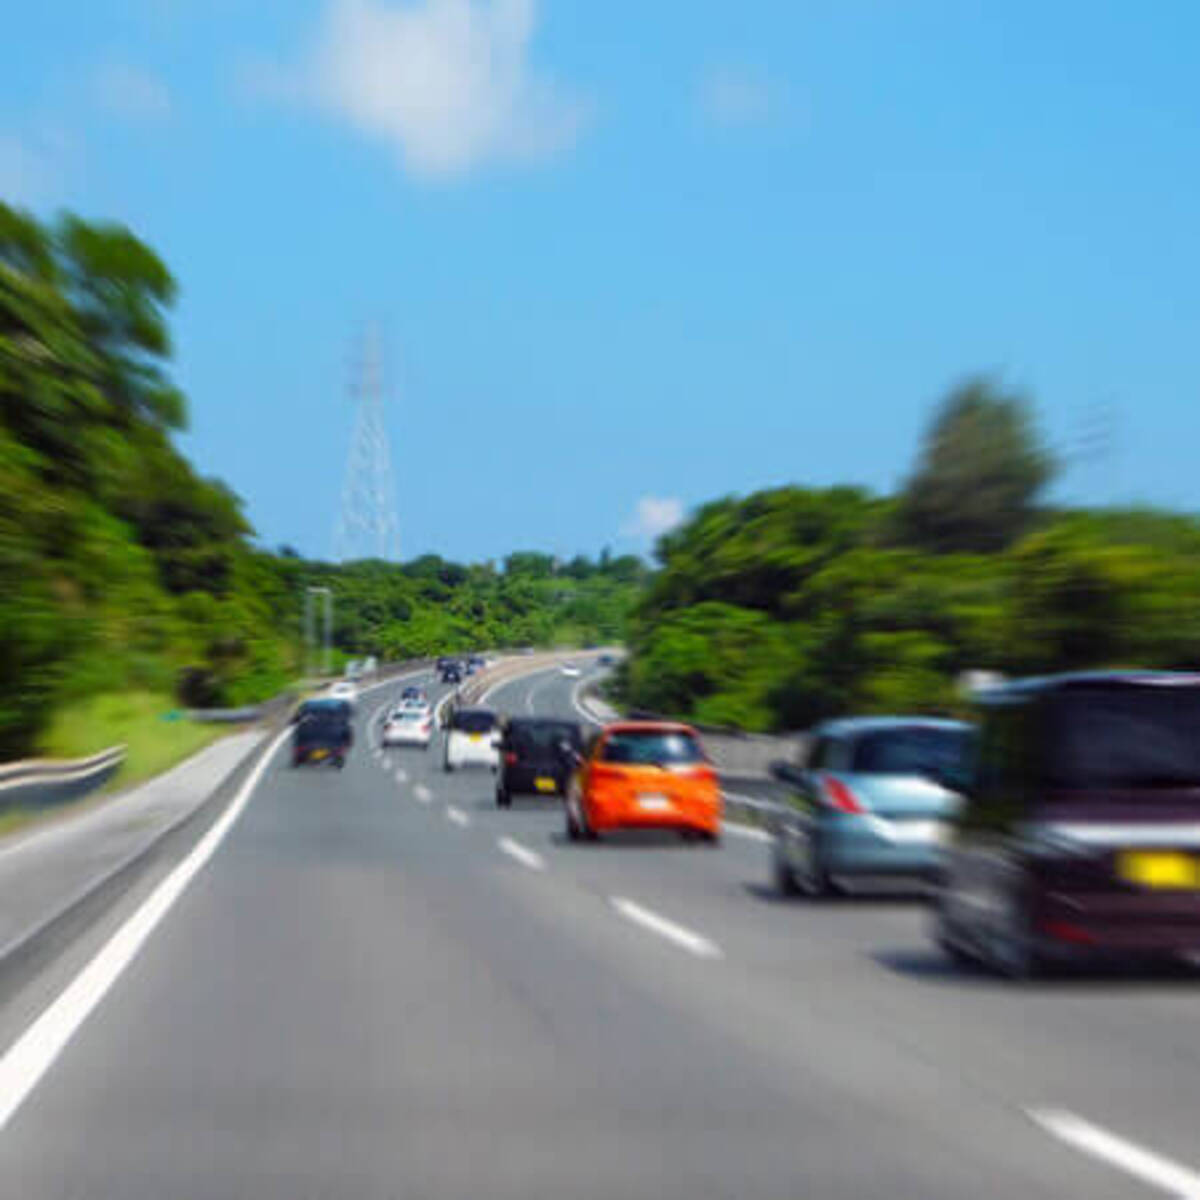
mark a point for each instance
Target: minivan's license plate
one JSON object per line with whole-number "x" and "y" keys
{"x": 1159, "y": 869}
{"x": 653, "y": 803}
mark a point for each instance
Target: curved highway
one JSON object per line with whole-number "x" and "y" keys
{"x": 382, "y": 986}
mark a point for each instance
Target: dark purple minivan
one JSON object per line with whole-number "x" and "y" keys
{"x": 1080, "y": 833}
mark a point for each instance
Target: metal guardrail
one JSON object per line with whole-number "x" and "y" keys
{"x": 42, "y": 783}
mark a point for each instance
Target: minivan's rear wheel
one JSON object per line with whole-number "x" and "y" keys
{"x": 503, "y": 797}
{"x": 1013, "y": 950}
{"x": 944, "y": 936}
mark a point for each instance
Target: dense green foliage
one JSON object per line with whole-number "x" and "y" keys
{"x": 792, "y": 605}
{"x": 121, "y": 570}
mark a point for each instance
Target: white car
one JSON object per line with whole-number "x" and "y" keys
{"x": 473, "y": 739}
{"x": 344, "y": 690}
{"x": 571, "y": 670}
{"x": 408, "y": 727}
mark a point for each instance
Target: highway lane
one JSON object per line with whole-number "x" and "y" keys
{"x": 362, "y": 995}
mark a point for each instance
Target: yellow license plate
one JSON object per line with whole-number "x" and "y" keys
{"x": 1159, "y": 869}
{"x": 545, "y": 785}
{"x": 319, "y": 753}
{"x": 476, "y": 737}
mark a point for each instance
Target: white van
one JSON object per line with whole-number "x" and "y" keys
{"x": 473, "y": 739}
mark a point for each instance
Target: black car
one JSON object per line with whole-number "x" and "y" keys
{"x": 452, "y": 673}
{"x": 322, "y": 733}
{"x": 532, "y": 759}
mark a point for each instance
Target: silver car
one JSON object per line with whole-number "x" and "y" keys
{"x": 871, "y": 801}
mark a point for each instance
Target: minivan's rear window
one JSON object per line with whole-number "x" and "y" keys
{"x": 543, "y": 736}
{"x": 1124, "y": 737}
{"x": 473, "y": 722}
{"x": 913, "y": 750}
{"x": 652, "y": 748}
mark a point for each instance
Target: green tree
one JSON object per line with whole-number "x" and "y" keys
{"x": 981, "y": 472}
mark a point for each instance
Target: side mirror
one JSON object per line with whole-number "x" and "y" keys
{"x": 787, "y": 772}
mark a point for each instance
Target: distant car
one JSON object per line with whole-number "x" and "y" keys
{"x": 605, "y": 660}
{"x": 873, "y": 801}
{"x": 322, "y": 734}
{"x": 408, "y": 725}
{"x": 413, "y": 692}
{"x": 451, "y": 673}
{"x": 1079, "y": 839}
{"x": 344, "y": 690}
{"x": 644, "y": 774}
{"x": 571, "y": 670}
{"x": 472, "y": 739}
{"x": 476, "y": 663}
{"x": 532, "y": 758}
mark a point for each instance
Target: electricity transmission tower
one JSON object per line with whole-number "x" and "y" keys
{"x": 368, "y": 526}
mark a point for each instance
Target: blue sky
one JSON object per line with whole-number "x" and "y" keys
{"x": 627, "y": 256}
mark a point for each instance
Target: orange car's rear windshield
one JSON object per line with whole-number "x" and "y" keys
{"x": 652, "y": 748}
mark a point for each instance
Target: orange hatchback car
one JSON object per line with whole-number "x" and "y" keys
{"x": 644, "y": 775}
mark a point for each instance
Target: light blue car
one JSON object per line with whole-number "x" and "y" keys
{"x": 872, "y": 800}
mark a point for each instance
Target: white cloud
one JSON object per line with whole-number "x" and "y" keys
{"x": 654, "y": 516}
{"x": 132, "y": 93}
{"x": 737, "y": 95}
{"x": 448, "y": 85}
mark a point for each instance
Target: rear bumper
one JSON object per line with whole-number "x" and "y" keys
{"x": 681, "y": 815}
{"x": 855, "y": 847}
{"x": 1119, "y": 923}
{"x": 484, "y": 761}
{"x": 523, "y": 781}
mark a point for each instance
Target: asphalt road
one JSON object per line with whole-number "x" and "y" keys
{"x": 382, "y": 986}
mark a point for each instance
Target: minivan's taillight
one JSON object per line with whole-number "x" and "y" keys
{"x": 511, "y": 758}
{"x": 838, "y": 795}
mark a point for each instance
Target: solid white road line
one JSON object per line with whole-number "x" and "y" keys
{"x": 422, "y": 793}
{"x": 29, "y": 1058}
{"x": 457, "y": 816}
{"x": 387, "y": 763}
{"x": 694, "y": 943}
{"x": 523, "y": 855}
{"x": 401, "y": 775}
{"x": 1150, "y": 1168}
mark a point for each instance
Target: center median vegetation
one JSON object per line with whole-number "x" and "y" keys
{"x": 131, "y": 586}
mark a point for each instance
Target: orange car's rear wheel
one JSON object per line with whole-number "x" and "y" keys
{"x": 578, "y": 829}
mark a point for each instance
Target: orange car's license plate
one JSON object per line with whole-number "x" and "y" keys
{"x": 1166, "y": 869}
{"x": 544, "y": 784}
{"x": 653, "y": 803}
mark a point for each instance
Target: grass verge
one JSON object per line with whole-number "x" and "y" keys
{"x": 139, "y": 720}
